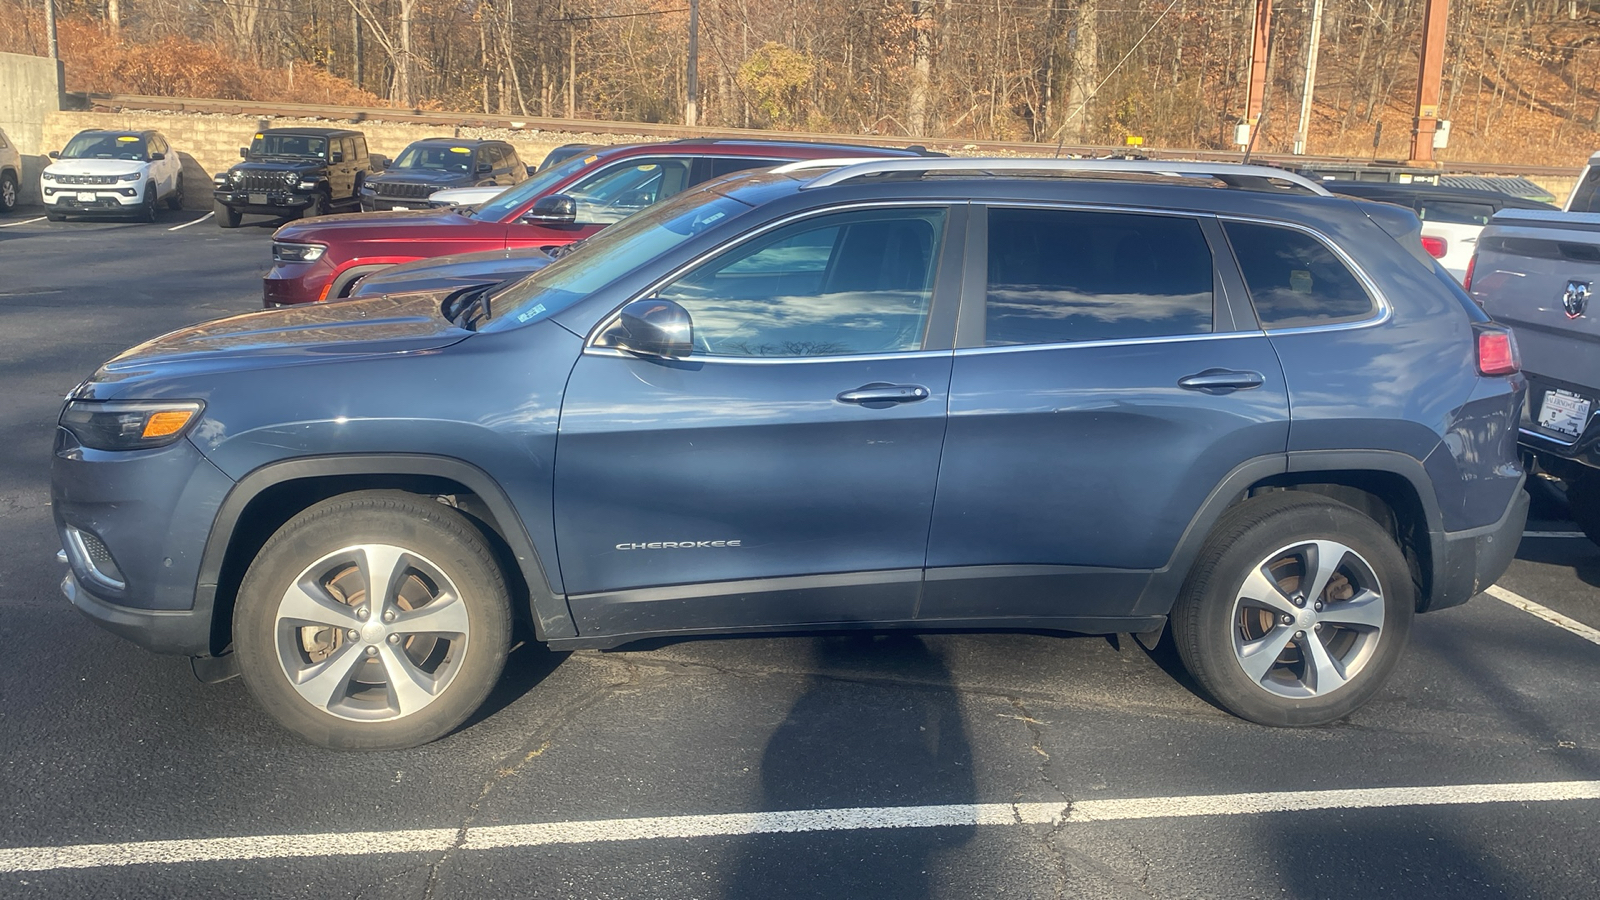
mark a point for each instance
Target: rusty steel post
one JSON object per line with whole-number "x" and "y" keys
{"x": 1434, "y": 24}
{"x": 1258, "y": 65}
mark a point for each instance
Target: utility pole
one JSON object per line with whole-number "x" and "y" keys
{"x": 572, "y": 69}
{"x": 50, "y": 26}
{"x": 1428, "y": 79}
{"x": 1258, "y": 74}
{"x": 356, "y": 51}
{"x": 691, "y": 107}
{"x": 1311, "y": 79}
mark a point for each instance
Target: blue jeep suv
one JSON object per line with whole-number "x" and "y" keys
{"x": 934, "y": 394}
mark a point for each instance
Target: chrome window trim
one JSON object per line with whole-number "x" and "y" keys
{"x": 1374, "y": 293}
{"x": 766, "y": 360}
{"x": 611, "y": 318}
{"x": 1118, "y": 342}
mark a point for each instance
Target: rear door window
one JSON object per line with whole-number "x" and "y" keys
{"x": 1294, "y": 279}
{"x": 1058, "y": 276}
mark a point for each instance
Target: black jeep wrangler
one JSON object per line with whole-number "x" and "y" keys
{"x": 296, "y": 171}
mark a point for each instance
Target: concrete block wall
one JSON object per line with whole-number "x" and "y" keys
{"x": 30, "y": 89}
{"x": 210, "y": 143}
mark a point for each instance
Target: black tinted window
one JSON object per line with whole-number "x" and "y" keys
{"x": 723, "y": 165}
{"x": 1294, "y": 279}
{"x": 1059, "y": 276}
{"x": 848, "y": 283}
{"x": 1455, "y": 212}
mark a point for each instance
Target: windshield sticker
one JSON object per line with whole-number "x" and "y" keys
{"x": 589, "y": 159}
{"x": 460, "y": 150}
{"x": 261, "y": 137}
{"x": 531, "y": 313}
{"x": 126, "y": 139}
{"x": 648, "y": 168}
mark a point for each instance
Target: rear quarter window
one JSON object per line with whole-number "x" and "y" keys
{"x": 1294, "y": 279}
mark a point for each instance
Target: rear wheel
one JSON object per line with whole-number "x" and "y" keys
{"x": 227, "y": 216}
{"x": 175, "y": 199}
{"x": 1296, "y": 612}
{"x": 371, "y": 621}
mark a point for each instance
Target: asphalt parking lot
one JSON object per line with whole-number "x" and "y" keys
{"x": 864, "y": 766}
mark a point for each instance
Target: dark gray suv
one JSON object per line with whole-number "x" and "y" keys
{"x": 903, "y": 393}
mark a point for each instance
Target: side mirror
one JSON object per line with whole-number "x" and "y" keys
{"x": 157, "y": 157}
{"x": 338, "y": 156}
{"x": 555, "y": 209}
{"x": 485, "y": 168}
{"x": 652, "y": 327}
{"x": 55, "y": 154}
{"x": 244, "y": 152}
{"x": 379, "y": 161}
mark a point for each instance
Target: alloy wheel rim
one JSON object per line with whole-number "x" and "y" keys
{"x": 371, "y": 633}
{"x": 8, "y": 192}
{"x": 1307, "y": 619}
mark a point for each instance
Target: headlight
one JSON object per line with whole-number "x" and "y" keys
{"x": 131, "y": 176}
{"x": 291, "y": 177}
{"x": 222, "y": 177}
{"x": 283, "y": 251}
{"x": 48, "y": 176}
{"x": 129, "y": 424}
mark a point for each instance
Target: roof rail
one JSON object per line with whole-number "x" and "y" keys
{"x": 1231, "y": 174}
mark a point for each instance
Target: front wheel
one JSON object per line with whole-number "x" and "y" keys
{"x": 1296, "y": 611}
{"x": 318, "y": 207}
{"x": 147, "y": 210}
{"x": 227, "y": 216}
{"x": 8, "y": 193}
{"x": 376, "y": 620}
{"x": 175, "y": 199}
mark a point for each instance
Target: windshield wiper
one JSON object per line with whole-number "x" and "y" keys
{"x": 469, "y": 307}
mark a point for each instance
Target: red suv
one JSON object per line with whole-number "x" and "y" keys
{"x": 321, "y": 259}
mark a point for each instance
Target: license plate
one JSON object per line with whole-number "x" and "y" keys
{"x": 258, "y": 199}
{"x": 86, "y": 196}
{"x": 1564, "y": 411}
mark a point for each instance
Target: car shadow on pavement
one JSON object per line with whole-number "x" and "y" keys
{"x": 529, "y": 663}
{"x": 1384, "y": 854}
{"x": 1577, "y": 554}
{"x": 845, "y": 745}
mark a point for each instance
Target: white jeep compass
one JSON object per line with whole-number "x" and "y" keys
{"x": 112, "y": 172}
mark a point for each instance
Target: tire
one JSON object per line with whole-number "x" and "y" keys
{"x": 8, "y": 193}
{"x": 318, "y": 207}
{"x": 175, "y": 199}
{"x": 148, "y": 210}
{"x": 227, "y": 216}
{"x": 1229, "y": 605}
{"x": 54, "y": 216}
{"x": 1583, "y": 503}
{"x": 343, "y": 695}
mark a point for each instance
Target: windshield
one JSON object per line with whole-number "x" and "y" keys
{"x": 501, "y": 206}
{"x": 612, "y": 253}
{"x": 106, "y": 146}
{"x": 289, "y": 145}
{"x": 435, "y": 158}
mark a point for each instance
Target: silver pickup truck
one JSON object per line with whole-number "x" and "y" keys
{"x": 1538, "y": 272}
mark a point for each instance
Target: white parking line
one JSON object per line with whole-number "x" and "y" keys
{"x": 23, "y": 222}
{"x": 435, "y": 840}
{"x": 1554, "y": 534}
{"x": 195, "y": 222}
{"x": 1544, "y": 612}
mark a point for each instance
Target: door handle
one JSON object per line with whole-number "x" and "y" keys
{"x": 881, "y": 393}
{"x": 1221, "y": 381}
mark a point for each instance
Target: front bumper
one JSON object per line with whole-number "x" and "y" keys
{"x": 288, "y": 283}
{"x": 1467, "y": 562}
{"x": 147, "y": 515}
{"x": 269, "y": 203}
{"x": 120, "y": 198}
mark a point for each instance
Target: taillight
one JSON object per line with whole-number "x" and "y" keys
{"x": 1471, "y": 264}
{"x": 1436, "y": 246}
{"x": 1497, "y": 352}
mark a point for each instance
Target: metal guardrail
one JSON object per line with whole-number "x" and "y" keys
{"x": 669, "y": 132}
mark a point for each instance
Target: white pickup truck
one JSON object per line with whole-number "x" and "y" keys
{"x": 1538, "y": 272}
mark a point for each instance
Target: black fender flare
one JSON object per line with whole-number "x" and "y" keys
{"x": 548, "y": 610}
{"x": 1167, "y": 582}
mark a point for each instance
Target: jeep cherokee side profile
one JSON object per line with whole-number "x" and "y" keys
{"x": 888, "y": 394}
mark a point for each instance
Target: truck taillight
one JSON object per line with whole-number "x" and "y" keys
{"x": 1436, "y": 246}
{"x": 1471, "y": 264}
{"x": 1497, "y": 352}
